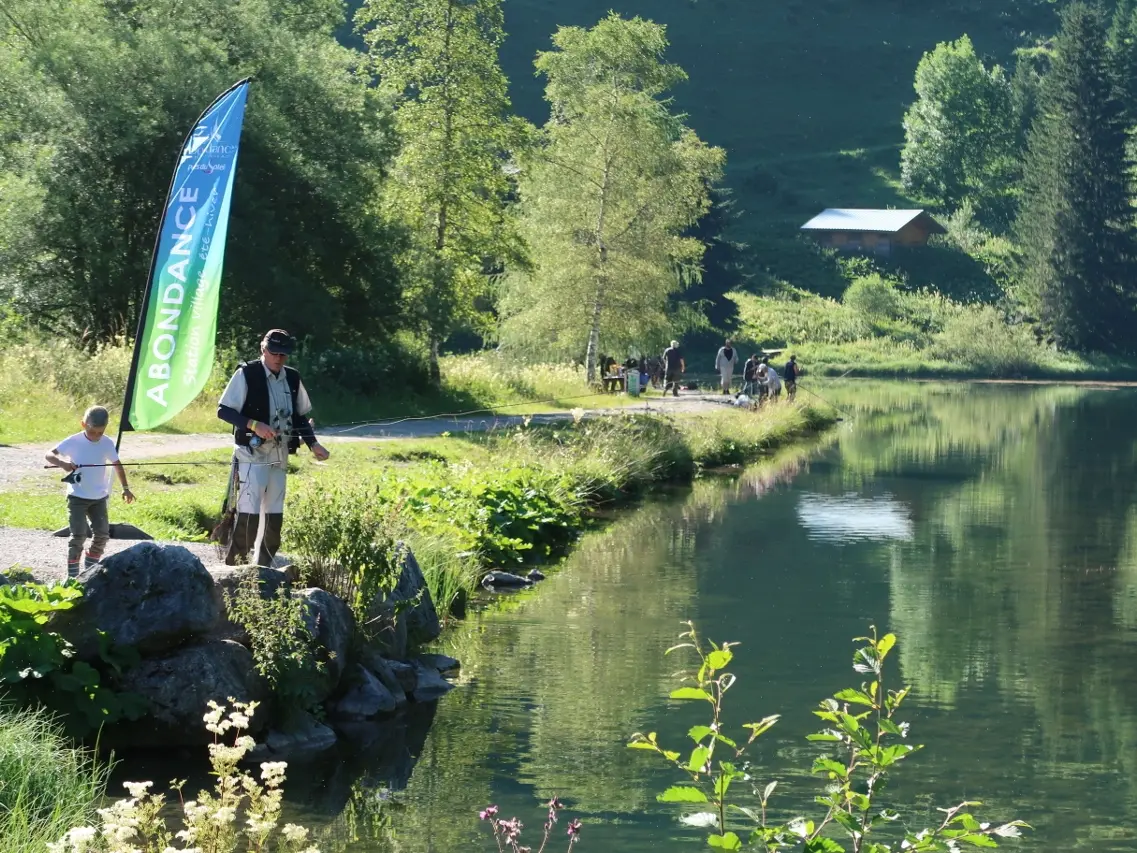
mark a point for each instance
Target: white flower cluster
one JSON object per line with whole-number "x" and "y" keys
{"x": 211, "y": 821}
{"x": 217, "y": 722}
{"x": 77, "y": 840}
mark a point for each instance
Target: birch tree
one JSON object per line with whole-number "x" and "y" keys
{"x": 607, "y": 196}
{"x": 448, "y": 186}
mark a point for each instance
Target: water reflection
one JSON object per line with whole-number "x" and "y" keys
{"x": 849, "y": 518}
{"x": 994, "y": 528}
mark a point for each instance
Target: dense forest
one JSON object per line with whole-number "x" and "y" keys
{"x": 559, "y": 181}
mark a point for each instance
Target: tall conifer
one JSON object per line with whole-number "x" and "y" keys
{"x": 1076, "y": 222}
{"x": 1123, "y": 52}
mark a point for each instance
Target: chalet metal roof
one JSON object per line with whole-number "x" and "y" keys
{"x": 862, "y": 219}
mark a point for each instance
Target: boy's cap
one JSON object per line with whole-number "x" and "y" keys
{"x": 96, "y": 416}
{"x": 279, "y": 342}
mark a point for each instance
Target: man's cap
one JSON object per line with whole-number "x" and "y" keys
{"x": 278, "y": 342}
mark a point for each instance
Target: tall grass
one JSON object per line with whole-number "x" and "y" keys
{"x": 493, "y": 379}
{"x": 450, "y": 574}
{"x": 46, "y": 786}
{"x": 46, "y": 385}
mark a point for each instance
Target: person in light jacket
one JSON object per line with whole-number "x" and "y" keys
{"x": 724, "y": 363}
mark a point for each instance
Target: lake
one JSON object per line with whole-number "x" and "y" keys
{"x": 993, "y": 528}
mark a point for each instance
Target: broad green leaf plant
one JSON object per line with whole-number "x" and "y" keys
{"x": 863, "y": 742}
{"x": 38, "y": 666}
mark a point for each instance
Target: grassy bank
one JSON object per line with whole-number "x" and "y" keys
{"x": 879, "y": 330}
{"x": 46, "y": 385}
{"x": 46, "y": 786}
{"x": 510, "y": 498}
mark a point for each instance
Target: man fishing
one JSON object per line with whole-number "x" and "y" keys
{"x": 266, "y": 403}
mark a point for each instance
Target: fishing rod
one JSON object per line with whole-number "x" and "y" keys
{"x": 845, "y": 412}
{"x": 349, "y": 426}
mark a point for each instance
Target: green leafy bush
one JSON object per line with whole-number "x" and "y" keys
{"x": 37, "y": 666}
{"x": 349, "y": 541}
{"x": 980, "y": 338}
{"x": 392, "y": 363}
{"x": 872, "y": 296}
{"x": 283, "y": 647}
{"x": 862, "y": 743}
{"x": 512, "y": 514}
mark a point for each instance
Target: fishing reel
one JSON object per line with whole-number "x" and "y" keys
{"x": 72, "y": 477}
{"x": 280, "y": 423}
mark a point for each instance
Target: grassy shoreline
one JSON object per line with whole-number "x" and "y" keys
{"x": 880, "y": 330}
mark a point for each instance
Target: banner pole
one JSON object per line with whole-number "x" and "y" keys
{"x": 143, "y": 310}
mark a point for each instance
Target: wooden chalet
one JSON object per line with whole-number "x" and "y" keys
{"x": 876, "y": 231}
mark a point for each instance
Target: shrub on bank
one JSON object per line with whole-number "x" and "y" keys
{"x": 981, "y": 339}
{"x": 348, "y": 542}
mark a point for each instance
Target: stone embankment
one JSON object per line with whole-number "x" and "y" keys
{"x": 161, "y": 601}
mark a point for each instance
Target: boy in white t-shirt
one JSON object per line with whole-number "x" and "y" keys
{"x": 87, "y": 491}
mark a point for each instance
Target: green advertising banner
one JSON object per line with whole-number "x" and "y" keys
{"x": 177, "y": 328}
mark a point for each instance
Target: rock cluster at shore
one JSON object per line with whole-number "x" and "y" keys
{"x": 161, "y": 601}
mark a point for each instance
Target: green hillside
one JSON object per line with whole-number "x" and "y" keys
{"x": 806, "y": 96}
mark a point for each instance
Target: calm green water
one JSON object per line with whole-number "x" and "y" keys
{"x": 994, "y": 529}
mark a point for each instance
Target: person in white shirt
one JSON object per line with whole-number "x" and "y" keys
{"x": 267, "y": 404}
{"x": 725, "y": 360}
{"x": 768, "y": 377}
{"x": 88, "y": 490}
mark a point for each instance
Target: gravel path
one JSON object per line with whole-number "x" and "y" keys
{"x": 46, "y": 554}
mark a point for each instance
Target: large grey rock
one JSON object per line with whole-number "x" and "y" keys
{"x": 381, "y": 669}
{"x": 149, "y": 596}
{"x": 269, "y": 580}
{"x": 416, "y": 624}
{"x": 179, "y": 684}
{"x": 332, "y": 625}
{"x": 499, "y": 578}
{"x": 422, "y": 619}
{"x": 442, "y": 663}
{"x": 429, "y": 685}
{"x": 388, "y": 634}
{"x": 405, "y": 674}
{"x": 306, "y": 735}
{"x": 366, "y": 698}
